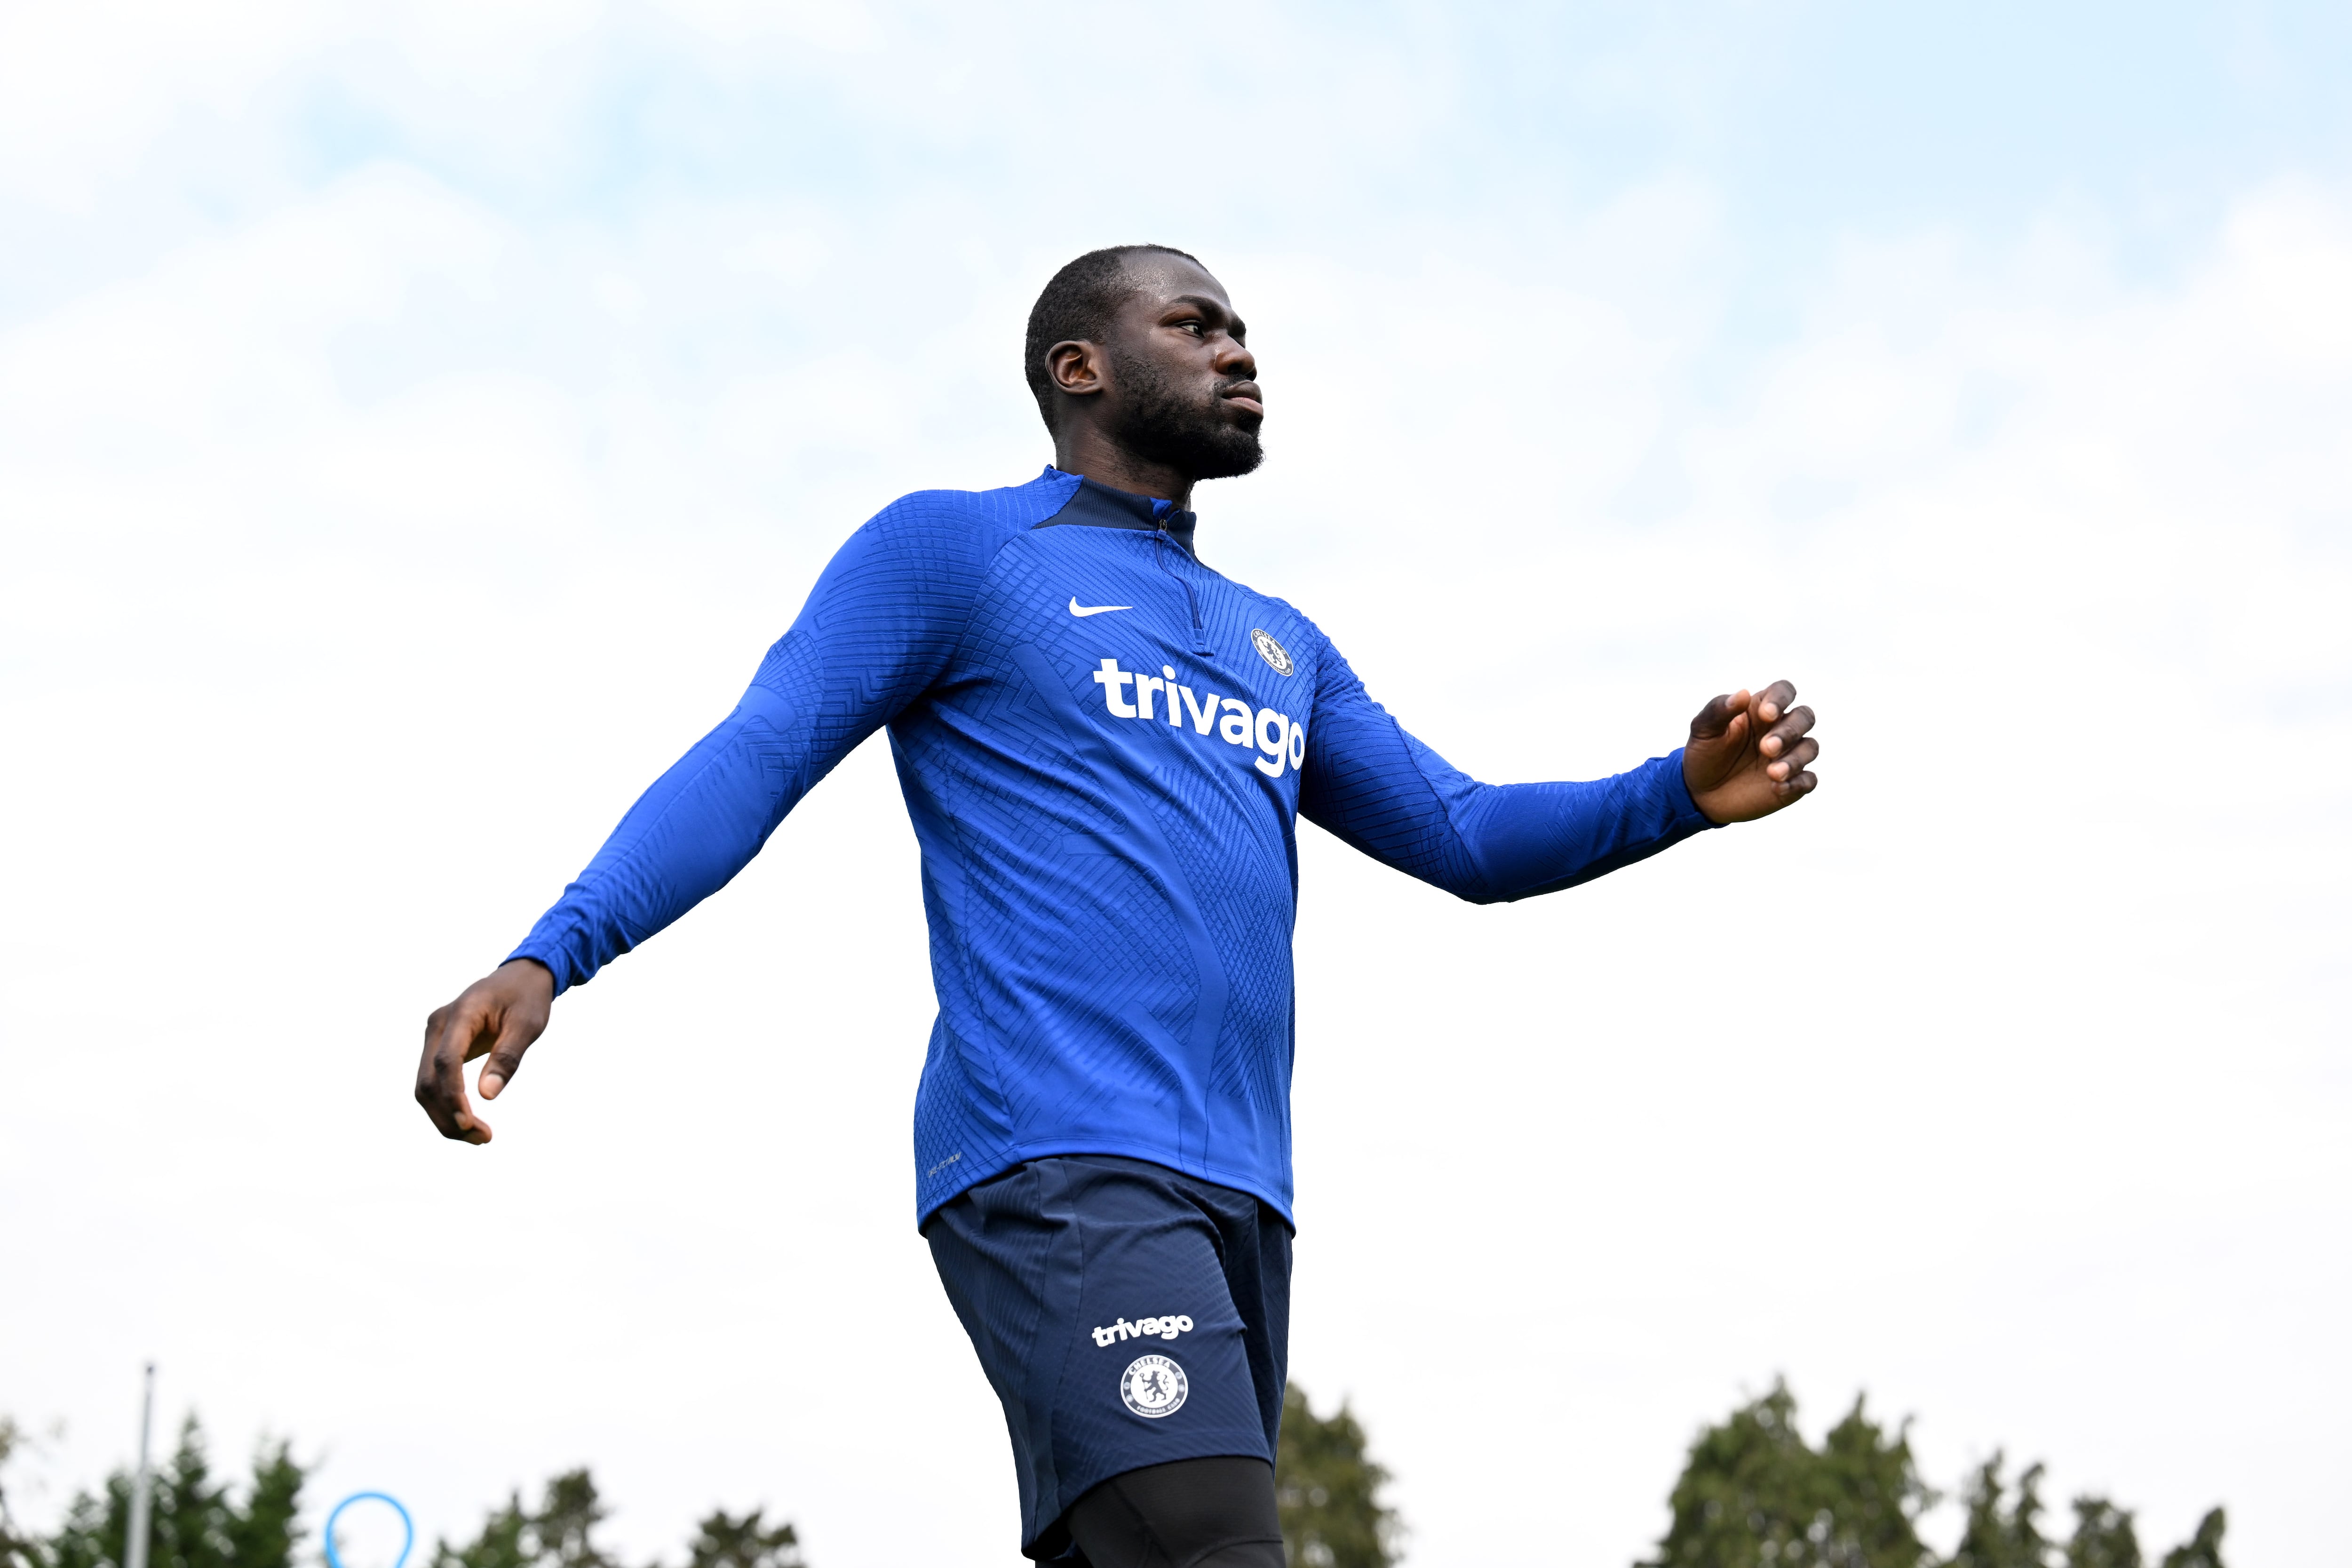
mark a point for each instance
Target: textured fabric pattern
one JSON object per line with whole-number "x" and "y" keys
{"x": 1104, "y": 746}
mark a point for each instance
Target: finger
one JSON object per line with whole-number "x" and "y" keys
{"x": 441, "y": 1090}
{"x": 1801, "y": 757}
{"x": 1718, "y": 717}
{"x": 441, "y": 1078}
{"x": 1788, "y": 792}
{"x": 1773, "y": 701}
{"x": 506, "y": 1056}
{"x": 428, "y": 1070}
{"x": 1784, "y": 734}
{"x": 449, "y": 1110}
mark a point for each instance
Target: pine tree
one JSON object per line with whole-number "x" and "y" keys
{"x": 194, "y": 1520}
{"x": 723, "y": 1541}
{"x": 561, "y": 1533}
{"x": 1755, "y": 1494}
{"x": 2104, "y": 1537}
{"x": 2203, "y": 1549}
{"x": 565, "y": 1525}
{"x": 1998, "y": 1536}
{"x": 265, "y": 1529}
{"x": 1326, "y": 1491}
{"x": 503, "y": 1544}
{"x": 17, "y": 1550}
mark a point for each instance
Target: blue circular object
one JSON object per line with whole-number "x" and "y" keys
{"x": 407, "y": 1526}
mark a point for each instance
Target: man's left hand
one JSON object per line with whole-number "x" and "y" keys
{"x": 1749, "y": 754}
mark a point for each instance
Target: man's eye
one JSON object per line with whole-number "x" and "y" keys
{"x": 1191, "y": 327}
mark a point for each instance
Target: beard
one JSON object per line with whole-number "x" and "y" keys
{"x": 1161, "y": 424}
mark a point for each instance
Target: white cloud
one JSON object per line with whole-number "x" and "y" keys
{"x": 368, "y": 552}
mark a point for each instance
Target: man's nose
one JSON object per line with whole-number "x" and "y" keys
{"x": 1235, "y": 361}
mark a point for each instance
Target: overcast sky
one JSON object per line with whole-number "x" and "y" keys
{"x": 415, "y": 421}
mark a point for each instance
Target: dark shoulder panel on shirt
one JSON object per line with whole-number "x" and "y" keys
{"x": 1093, "y": 505}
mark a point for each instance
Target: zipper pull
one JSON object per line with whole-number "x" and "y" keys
{"x": 1161, "y": 536}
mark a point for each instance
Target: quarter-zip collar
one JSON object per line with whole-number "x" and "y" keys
{"x": 1098, "y": 505}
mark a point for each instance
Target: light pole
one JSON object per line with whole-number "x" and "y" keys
{"x": 134, "y": 1551}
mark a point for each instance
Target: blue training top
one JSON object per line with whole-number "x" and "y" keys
{"x": 1104, "y": 745}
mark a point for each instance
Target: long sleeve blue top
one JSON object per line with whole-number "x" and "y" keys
{"x": 1105, "y": 746}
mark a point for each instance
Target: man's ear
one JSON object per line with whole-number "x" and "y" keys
{"x": 1076, "y": 367}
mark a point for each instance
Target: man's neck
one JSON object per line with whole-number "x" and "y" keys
{"x": 1089, "y": 453}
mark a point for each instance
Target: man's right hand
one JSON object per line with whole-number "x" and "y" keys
{"x": 499, "y": 1015}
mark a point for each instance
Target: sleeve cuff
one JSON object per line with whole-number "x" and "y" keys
{"x": 1678, "y": 794}
{"x": 547, "y": 959}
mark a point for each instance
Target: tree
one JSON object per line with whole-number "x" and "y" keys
{"x": 2003, "y": 1537}
{"x": 2203, "y": 1549}
{"x": 723, "y": 1541}
{"x": 17, "y": 1550}
{"x": 503, "y": 1542}
{"x": 1326, "y": 1491}
{"x": 2104, "y": 1537}
{"x": 566, "y": 1523}
{"x": 194, "y": 1520}
{"x": 1755, "y": 1493}
{"x": 561, "y": 1533}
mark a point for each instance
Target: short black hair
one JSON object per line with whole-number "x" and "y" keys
{"x": 1078, "y": 303}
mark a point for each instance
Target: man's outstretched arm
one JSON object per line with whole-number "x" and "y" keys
{"x": 877, "y": 630}
{"x": 1374, "y": 786}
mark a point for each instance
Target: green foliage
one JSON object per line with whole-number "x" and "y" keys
{"x": 264, "y": 1530}
{"x": 722, "y": 1541}
{"x": 2104, "y": 1537}
{"x": 1755, "y": 1494}
{"x": 1998, "y": 1533}
{"x": 505, "y": 1541}
{"x": 561, "y": 1533}
{"x": 566, "y": 1523}
{"x": 194, "y": 1520}
{"x": 2203, "y": 1549}
{"x": 1328, "y": 1490}
{"x": 17, "y": 1550}
{"x": 199, "y": 1521}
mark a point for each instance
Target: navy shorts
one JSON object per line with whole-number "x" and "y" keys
{"x": 1126, "y": 1315}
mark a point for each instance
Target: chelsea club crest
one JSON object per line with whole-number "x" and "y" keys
{"x": 1153, "y": 1386}
{"x": 1272, "y": 652}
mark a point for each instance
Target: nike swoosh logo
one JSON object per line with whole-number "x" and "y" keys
{"x": 1078, "y": 609}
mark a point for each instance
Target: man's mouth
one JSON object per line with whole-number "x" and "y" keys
{"x": 1246, "y": 396}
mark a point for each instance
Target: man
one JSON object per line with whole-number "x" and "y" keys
{"x": 1104, "y": 745}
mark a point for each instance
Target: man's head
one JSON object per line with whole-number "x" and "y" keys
{"x": 1137, "y": 348}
